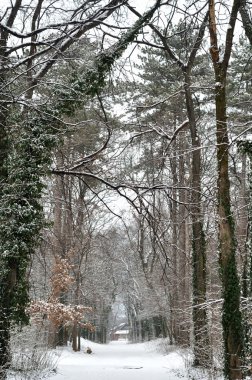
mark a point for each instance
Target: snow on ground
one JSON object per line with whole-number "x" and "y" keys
{"x": 120, "y": 361}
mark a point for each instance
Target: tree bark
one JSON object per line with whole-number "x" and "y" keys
{"x": 75, "y": 337}
{"x": 184, "y": 248}
{"x": 246, "y": 19}
{"x": 200, "y": 325}
{"x": 8, "y": 278}
{"x": 231, "y": 318}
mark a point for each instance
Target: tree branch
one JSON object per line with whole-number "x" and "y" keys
{"x": 95, "y": 20}
{"x": 246, "y": 20}
{"x": 230, "y": 32}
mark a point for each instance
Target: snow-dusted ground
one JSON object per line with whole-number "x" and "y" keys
{"x": 120, "y": 361}
{"x": 124, "y": 361}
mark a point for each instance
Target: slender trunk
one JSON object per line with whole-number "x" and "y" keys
{"x": 242, "y": 228}
{"x": 175, "y": 314}
{"x": 201, "y": 336}
{"x": 76, "y": 329}
{"x": 184, "y": 249}
{"x": 79, "y": 339}
{"x": 58, "y": 332}
{"x": 75, "y": 337}
{"x": 242, "y": 202}
{"x": 245, "y": 248}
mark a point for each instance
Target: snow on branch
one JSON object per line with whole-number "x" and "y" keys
{"x": 76, "y": 32}
{"x": 154, "y": 105}
{"x": 160, "y": 132}
{"x": 95, "y": 77}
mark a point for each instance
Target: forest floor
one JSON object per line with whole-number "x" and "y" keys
{"x": 124, "y": 361}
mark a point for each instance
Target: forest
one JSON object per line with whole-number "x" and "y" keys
{"x": 126, "y": 178}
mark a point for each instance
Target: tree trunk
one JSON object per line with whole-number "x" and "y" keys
{"x": 4, "y": 340}
{"x": 75, "y": 337}
{"x": 246, "y": 19}
{"x": 231, "y": 317}
{"x": 200, "y": 326}
{"x": 184, "y": 249}
{"x": 175, "y": 296}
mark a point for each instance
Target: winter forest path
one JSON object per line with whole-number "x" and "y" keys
{"x": 119, "y": 361}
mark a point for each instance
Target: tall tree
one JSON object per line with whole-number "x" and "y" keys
{"x": 201, "y": 339}
{"x": 232, "y": 318}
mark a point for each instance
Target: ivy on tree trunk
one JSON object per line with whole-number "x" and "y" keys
{"x": 25, "y": 156}
{"x": 231, "y": 316}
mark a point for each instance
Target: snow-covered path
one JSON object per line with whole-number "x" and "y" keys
{"x": 119, "y": 361}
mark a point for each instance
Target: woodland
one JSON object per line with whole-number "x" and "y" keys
{"x": 125, "y": 177}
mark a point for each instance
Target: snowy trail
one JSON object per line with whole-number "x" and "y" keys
{"x": 119, "y": 361}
